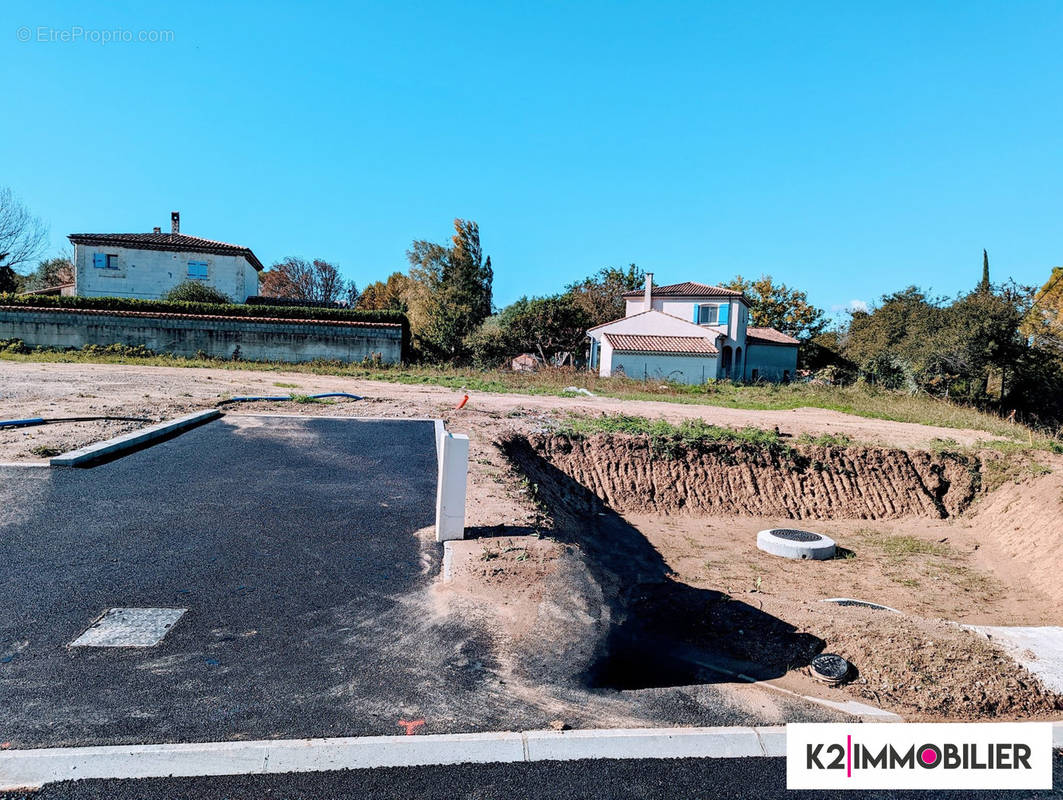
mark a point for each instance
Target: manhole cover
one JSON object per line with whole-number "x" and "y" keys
{"x": 129, "y": 627}
{"x": 792, "y": 543}
{"x": 829, "y": 668}
{"x": 796, "y": 536}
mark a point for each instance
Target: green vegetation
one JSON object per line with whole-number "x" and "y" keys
{"x": 825, "y": 440}
{"x": 305, "y": 398}
{"x": 905, "y": 546}
{"x": 44, "y": 451}
{"x": 195, "y": 292}
{"x": 671, "y": 440}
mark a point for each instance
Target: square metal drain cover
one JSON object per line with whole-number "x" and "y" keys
{"x": 130, "y": 627}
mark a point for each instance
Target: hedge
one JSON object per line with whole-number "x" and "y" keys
{"x": 210, "y": 309}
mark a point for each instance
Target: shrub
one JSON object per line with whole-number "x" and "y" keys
{"x": 195, "y": 292}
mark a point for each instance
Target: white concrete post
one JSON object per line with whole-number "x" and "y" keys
{"x": 453, "y": 452}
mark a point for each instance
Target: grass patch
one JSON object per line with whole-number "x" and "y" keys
{"x": 305, "y": 398}
{"x": 859, "y": 399}
{"x": 43, "y": 451}
{"x": 908, "y": 546}
{"x": 825, "y": 440}
{"x": 669, "y": 440}
{"x": 284, "y": 385}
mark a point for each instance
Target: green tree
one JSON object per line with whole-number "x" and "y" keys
{"x": 601, "y": 295}
{"x": 389, "y": 295}
{"x": 984, "y": 286}
{"x": 9, "y": 279}
{"x": 452, "y": 296}
{"x": 778, "y": 306}
{"x": 1043, "y": 322}
{"x": 51, "y": 272}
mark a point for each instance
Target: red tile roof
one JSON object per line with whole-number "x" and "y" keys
{"x": 769, "y": 336}
{"x": 682, "y": 345}
{"x": 687, "y": 289}
{"x": 172, "y": 242}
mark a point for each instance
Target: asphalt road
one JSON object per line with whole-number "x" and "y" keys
{"x": 291, "y": 542}
{"x": 688, "y": 779}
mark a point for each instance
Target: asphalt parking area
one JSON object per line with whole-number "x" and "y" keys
{"x": 294, "y": 545}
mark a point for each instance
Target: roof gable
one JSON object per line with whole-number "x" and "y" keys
{"x": 169, "y": 242}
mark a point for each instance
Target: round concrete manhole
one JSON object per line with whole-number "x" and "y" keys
{"x": 791, "y": 543}
{"x": 829, "y": 668}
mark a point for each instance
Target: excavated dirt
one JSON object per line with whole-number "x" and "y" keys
{"x": 811, "y": 482}
{"x": 684, "y": 608}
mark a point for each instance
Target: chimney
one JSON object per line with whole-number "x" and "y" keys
{"x": 649, "y": 291}
{"x": 175, "y": 222}
{"x": 156, "y": 229}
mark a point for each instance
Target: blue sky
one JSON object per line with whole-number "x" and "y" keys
{"x": 848, "y": 149}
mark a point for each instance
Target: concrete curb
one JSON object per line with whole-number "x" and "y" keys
{"x": 32, "y": 769}
{"x": 131, "y": 441}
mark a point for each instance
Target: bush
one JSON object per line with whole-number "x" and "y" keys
{"x": 194, "y": 292}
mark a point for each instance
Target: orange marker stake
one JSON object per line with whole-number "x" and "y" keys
{"x": 464, "y": 400}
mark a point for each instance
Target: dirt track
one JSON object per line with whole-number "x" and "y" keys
{"x": 47, "y": 389}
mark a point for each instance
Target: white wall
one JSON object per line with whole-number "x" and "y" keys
{"x": 660, "y": 367}
{"x": 149, "y": 274}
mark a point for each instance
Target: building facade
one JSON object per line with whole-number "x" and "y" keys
{"x": 148, "y": 265}
{"x": 690, "y": 333}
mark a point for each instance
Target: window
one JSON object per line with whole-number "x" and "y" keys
{"x": 708, "y": 315}
{"x": 197, "y": 270}
{"x": 712, "y": 314}
{"x": 105, "y": 261}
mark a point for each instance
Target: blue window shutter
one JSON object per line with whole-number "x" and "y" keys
{"x": 99, "y": 260}
{"x": 697, "y": 313}
{"x": 725, "y": 314}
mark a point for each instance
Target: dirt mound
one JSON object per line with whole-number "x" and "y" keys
{"x": 727, "y": 478}
{"x": 1024, "y": 518}
{"x": 930, "y": 669}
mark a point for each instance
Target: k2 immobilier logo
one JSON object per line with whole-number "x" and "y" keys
{"x": 997, "y": 755}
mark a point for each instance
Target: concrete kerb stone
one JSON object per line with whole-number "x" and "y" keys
{"x": 31, "y": 769}
{"x": 130, "y": 441}
{"x": 643, "y": 743}
{"x": 28, "y": 769}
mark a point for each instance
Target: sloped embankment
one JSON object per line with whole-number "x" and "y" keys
{"x": 728, "y": 478}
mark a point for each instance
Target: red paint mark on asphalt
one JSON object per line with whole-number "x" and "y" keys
{"x": 411, "y": 725}
{"x": 464, "y": 400}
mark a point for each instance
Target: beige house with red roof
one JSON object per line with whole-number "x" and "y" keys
{"x": 148, "y": 265}
{"x": 690, "y": 333}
